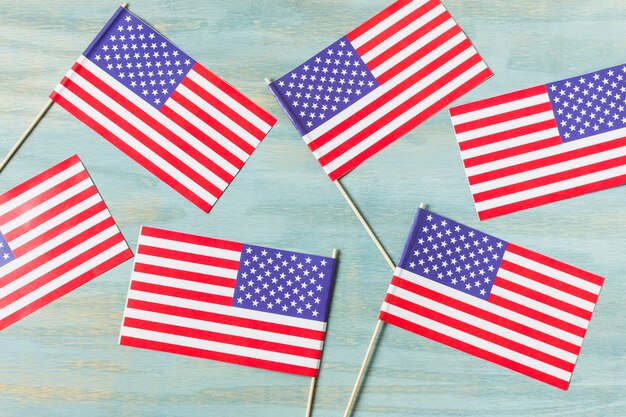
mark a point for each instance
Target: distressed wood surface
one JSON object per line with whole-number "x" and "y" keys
{"x": 64, "y": 359}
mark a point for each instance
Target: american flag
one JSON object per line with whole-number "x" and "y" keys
{"x": 56, "y": 234}
{"x": 378, "y": 82}
{"x": 228, "y": 301}
{"x": 492, "y": 299}
{"x": 156, "y": 104}
{"x": 545, "y": 143}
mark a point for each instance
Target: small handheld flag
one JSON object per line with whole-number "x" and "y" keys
{"x": 55, "y": 235}
{"x": 163, "y": 109}
{"x": 545, "y": 143}
{"x": 228, "y": 301}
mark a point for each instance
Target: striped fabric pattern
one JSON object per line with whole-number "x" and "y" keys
{"x": 532, "y": 320}
{"x": 61, "y": 236}
{"x": 175, "y": 118}
{"x": 182, "y": 299}
{"x": 421, "y": 61}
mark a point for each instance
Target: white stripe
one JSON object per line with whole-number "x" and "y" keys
{"x": 384, "y": 88}
{"x": 407, "y": 115}
{"x": 489, "y": 307}
{"x": 543, "y": 153}
{"x": 153, "y": 135}
{"x": 475, "y": 115}
{"x": 40, "y": 189}
{"x": 400, "y": 35}
{"x": 389, "y": 21}
{"x": 221, "y": 328}
{"x": 63, "y": 279}
{"x": 56, "y": 241}
{"x": 139, "y": 147}
{"x": 552, "y": 272}
{"x": 157, "y": 115}
{"x": 510, "y": 143}
{"x": 185, "y": 266}
{"x": 220, "y": 347}
{"x": 57, "y": 261}
{"x": 559, "y": 167}
{"x": 232, "y": 103}
{"x": 483, "y": 324}
{"x": 36, "y": 210}
{"x": 539, "y": 306}
{"x": 182, "y": 284}
{"x": 48, "y": 225}
{"x": 545, "y": 289}
{"x": 551, "y": 188}
{"x": 226, "y": 310}
{"x": 504, "y": 126}
{"x": 412, "y": 48}
{"x": 196, "y": 249}
{"x": 477, "y": 341}
{"x": 223, "y": 119}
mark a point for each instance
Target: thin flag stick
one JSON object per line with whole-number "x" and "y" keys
{"x": 27, "y": 133}
{"x": 309, "y": 404}
{"x": 366, "y": 360}
{"x": 368, "y": 229}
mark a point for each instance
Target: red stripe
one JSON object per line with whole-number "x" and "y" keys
{"x": 464, "y": 88}
{"x": 234, "y": 94}
{"x": 537, "y": 315}
{"x": 513, "y": 150}
{"x": 226, "y": 319}
{"x": 181, "y": 293}
{"x": 550, "y": 179}
{"x": 143, "y": 138}
{"x": 222, "y": 357}
{"x": 64, "y": 289}
{"x": 131, "y": 152}
{"x": 186, "y": 275}
{"x": 377, "y": 19}
{"x": 547, "y": 161}
{"x": 501, "y": 99}
{"x": 479, "y": 333}
{"x": 398, "y": 26}
{"x": 227, "y": 111}
{"x": 187, "y": 257}
{"x": 547, "y": 280}
{"x": 485, "y": 315}
{"x": 552, "y": 197}
{"x": 38, "y": 179}
{"x": 473, "y": 350}
{"x": 518, "y": 113}
{"x": 508, "y": 134}
{"x": 542, "y": 298}
{"x": 77, "y": 219}
{"x": 189, "y": 238}
{"x": 222, "y": 338}
{"x": 61, "y": 269}
{"x": 57, "y": 251}
{"x": 553, "y": 263}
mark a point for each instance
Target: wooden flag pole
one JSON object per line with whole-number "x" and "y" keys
{"x": 366, "y": 360}
{"x": 32, "y": 127}
{"x": 365, "y": 225}
{"x": 309, "y": 404}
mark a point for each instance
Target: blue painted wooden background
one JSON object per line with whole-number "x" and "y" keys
{"x": 64, "y": 360}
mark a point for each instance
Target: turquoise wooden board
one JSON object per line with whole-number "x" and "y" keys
{"x": 64, "y": 359}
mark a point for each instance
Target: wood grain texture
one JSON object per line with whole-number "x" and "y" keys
{"x": 64, "y": 360}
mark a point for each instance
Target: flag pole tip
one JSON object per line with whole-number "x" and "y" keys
{"x": 125, "y": 5}
{"x": 422, "y": 206}
{"x": 267, "y": 81}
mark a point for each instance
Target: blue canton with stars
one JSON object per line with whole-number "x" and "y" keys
{"x": 136, "y": 55}
{"x": 323, "y": 86}
{"x": 591, "y": 104}
{"x": 282, "y": 282}
{"x": 453, "y": 254}
{"x": 6, "y": 254}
